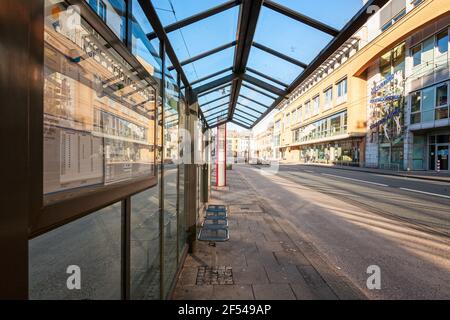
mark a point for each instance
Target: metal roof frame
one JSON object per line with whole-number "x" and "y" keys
{"x": 249, "y": 12}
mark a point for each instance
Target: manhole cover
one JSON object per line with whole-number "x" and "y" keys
{"x": 214, "y": 275}
{"x": 245, "y": 208}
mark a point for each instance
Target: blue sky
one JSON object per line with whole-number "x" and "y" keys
{"x": 273, "y": 30}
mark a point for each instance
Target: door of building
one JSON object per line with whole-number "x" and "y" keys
{"x": 442, "y": 156}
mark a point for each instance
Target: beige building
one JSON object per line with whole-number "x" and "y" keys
{"x": 362, "y": 91}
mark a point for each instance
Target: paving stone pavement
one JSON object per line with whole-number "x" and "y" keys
{"x": 263, "y": 260}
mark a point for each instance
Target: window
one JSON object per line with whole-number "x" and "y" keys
{"x": 398, "y": 58}
{"x": 442, "y": 42}
{"x": 307, "y": 109}
{"x": 416, "y": 53}
{"x": 287, "y": 120}
{"x": 415, "y": 107}
{"x": 394, "y": 20}
{"x": 113, "y": 14}
{"x": 430, "y": 104}
{"x": 393, "y": 61}
{"x": 441, "y": 102}
{"x": 441, "y": 95}
{"x": 342, "y": 88}
{"x": 328, "y": 98}
{"x": 102, "y": 10}
{"x": 316, "y": 105}
{"x": 327, "y": 127}
{"x": 277, "y": 125}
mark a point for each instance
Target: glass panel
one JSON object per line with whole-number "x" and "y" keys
{"x": 290, "y": 44}
{"x": 145, "y": 246}
{"x": 80, "y": 260}
{"x": 202, "y": 68}
{"x": 442, "y": 113}
{"x": 199, "y": 84}
{"x": 442, "y": 42}
{"x": 98, "y": 115}
{"x": 415, "y": 118}
{"x": 328, "y": 97}
{"x": 205, "y": 35}
{"x": 145, "y": 51}
{"x": 215, "y": 105}
{"x": 428, "y": 105}
{"x": 442, "y": 95}
{"x": 385, "y": 65}
{"x": 415, "y": 101}
{"x": 182, "y": 223}
{"x": 175, "y": 10}
{"x": 443, "y": 138}
{"x": 277, "y": 85}
{"x": 113, "y": 13}
{"x": 249, "y": 93}
{"x": 273, "y": 66}
{"x": 398, "y": 58}
{"x": 342, "y": 88}
{"x": 251, "y": 104}
{"x": 428, "y": 55}
{"x": 417, "y": 55}
{"x": 170, "y": 153}
{"x": 331, "y": 12}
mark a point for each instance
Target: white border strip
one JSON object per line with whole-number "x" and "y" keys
{"x": 363, "y": 181}
{"x": 428, "y": 193}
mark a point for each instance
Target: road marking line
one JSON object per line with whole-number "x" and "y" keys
{"x": 309, "y": 171}
{"x": 369, "y": 182}
{"x": 428, "y": 193}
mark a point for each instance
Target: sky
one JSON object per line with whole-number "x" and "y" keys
{"x": 274, "y": 30}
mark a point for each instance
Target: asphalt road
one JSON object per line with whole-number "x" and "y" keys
{"x": 357, "y": 219}
{"x": 421, "y": 203}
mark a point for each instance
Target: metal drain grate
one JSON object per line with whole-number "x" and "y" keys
{"x": 214, "y": 275}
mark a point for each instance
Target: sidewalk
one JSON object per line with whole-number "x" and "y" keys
{"x": 424, "y": 175}
{"x": 261, "y": 261}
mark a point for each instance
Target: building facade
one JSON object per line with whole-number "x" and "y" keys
{"x": 238, "y": 146}
{"x": 381, "y": 100}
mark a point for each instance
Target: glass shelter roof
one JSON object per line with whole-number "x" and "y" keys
{"x": 243, "y": 57}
